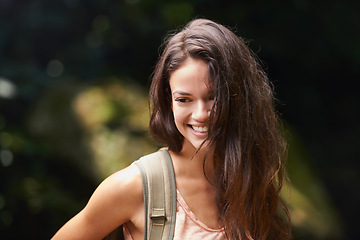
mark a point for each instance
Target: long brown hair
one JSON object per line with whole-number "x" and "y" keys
{"x": 244, "y": 132}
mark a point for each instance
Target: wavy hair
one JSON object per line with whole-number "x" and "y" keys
{"x": 249, "y": 150}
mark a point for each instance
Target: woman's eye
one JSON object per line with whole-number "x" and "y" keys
{"x": 182, "y": 100}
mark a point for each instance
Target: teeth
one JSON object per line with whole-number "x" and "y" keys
{"x": 200, "y": 129}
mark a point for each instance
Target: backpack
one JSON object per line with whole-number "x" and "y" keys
{"x": 159, "y": 190}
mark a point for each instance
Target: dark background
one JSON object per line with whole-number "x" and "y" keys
{"x": 53, "y": 53}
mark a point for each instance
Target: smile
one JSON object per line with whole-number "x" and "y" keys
{"x": 200, "y": 129}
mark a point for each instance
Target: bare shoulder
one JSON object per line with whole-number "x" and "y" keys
{"x": 122, "y": 191}
{"x": 117, "y": 200}
{"x": 128, "y": 179}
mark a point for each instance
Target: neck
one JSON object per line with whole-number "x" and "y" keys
{"x": 190, "y": 161}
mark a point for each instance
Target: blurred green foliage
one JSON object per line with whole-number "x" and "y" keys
{"x": 73, "y": 107}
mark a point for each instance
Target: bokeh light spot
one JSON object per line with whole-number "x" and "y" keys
{"x": 6, "y": 157}
{"x": 93, "y": 40}
{"x": 55, "y": 68}
{"x": 7, "y": 89}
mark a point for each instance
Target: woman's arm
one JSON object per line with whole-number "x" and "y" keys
{"x": 117, "y": 200}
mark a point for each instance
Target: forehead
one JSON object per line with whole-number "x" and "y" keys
{"x": 192, "y": 75}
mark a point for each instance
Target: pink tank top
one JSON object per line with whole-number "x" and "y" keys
{"x": 187, "y": 226}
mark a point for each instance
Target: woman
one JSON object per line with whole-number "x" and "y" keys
{"x": 213, "y": 108}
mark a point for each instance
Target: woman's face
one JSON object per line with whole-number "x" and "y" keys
{"x": 192, "y": 101}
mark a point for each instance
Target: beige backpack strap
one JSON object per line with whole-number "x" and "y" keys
{"x": 159, "y": 195}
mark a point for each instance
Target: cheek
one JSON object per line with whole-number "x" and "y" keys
{"x": 176, "y": 115}
{"x": 179, "y": 116}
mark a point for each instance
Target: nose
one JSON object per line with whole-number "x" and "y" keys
{"x": 201, "y": 112}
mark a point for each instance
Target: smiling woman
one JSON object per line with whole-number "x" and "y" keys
{"x": 212, "y": 103}
{"x": 212, "y": 106}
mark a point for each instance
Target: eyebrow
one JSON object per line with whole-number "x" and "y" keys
{"x": 181, "y": 93}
